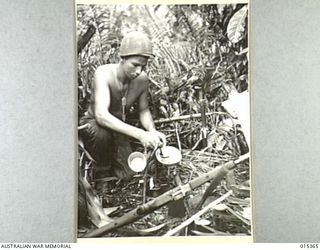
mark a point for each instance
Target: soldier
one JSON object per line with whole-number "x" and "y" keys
{"x": 115, "y": 88}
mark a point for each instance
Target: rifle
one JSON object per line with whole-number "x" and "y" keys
{"x": 174, "y": 194}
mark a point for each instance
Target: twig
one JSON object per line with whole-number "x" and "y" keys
{"x": 81, "y": 158}
{"x": 197, "y": 215}
{"x": 144, "y": 191}
{"x": 218, "y": 66}
{"x": 195, "y": 146}
{"x": 183, "y": 117}
{"x": 155, "y": 83}
{"x": 238, "y": 216}
{"x": 203, "y": 150}
{"x": 208, "y": 228}
{"x": 80, "y": 143}
{"x": 86, "y": 170}
{"x": 83, "y": 126}
{"x": 145, "y": 176}
{"x": 177, "y": 134}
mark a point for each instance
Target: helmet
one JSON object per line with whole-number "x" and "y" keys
{"x": 136, "y": 43}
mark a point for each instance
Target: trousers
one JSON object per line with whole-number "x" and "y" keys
{"x": 108, "y": 148}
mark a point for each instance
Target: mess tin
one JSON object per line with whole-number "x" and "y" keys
{"x": 137, "y": 161}
{"x": 168, "y": 155}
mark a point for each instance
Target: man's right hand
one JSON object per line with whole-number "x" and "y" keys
{"x": 150, "y": 140}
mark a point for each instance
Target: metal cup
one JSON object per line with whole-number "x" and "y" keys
{"x": 137, "y": 161}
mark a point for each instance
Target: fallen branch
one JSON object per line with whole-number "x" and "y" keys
{"x": 197, "y": 215}
{"x": 182, "y": 117}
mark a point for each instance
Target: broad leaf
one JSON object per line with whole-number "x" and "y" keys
{"x": 236, "y": 26}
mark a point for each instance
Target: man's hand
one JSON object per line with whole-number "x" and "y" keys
{"x": 152, "y": 139}
{"x": 161, "y": 136}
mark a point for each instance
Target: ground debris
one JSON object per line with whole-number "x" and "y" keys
{"x": 125, "y": 196}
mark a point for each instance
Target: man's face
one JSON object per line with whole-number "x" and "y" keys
{"x": 133, "y": 66}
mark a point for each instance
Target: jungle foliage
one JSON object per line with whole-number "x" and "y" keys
{"x": 195, "y": 45}
{"x": 201, "y": 58}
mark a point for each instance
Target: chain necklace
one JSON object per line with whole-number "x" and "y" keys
{"x": 123, "y": 96}
{"x": 124, "y": 101}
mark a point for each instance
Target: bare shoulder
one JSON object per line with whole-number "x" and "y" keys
{"x": 104, "y": 73}
{"x": 105, "y": 69}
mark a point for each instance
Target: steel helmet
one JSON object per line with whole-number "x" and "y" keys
{"x": 136, "y": 43}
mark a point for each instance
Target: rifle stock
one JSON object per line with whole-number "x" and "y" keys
{"x": 174, "y": 194}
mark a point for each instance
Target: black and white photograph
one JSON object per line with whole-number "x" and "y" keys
{"x": 163, "y": 120}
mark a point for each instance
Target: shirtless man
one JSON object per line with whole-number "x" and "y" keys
{"x": 115, "y": 88}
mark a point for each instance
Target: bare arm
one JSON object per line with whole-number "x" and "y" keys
{"x": 146, "y": 117}
{"x": 102, "y": 103}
